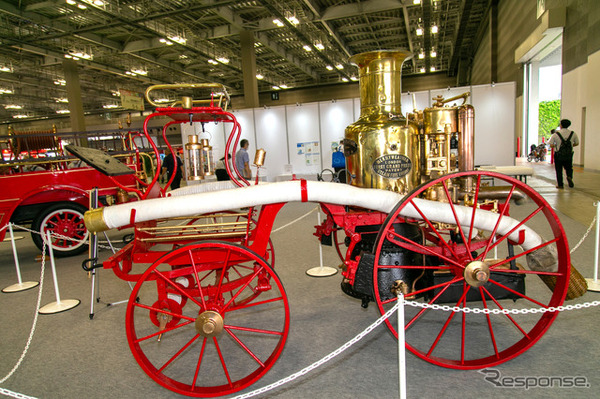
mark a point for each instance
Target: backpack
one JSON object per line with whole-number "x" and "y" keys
{"x": 565, "y": 151}
{"x": 338, "y": 160}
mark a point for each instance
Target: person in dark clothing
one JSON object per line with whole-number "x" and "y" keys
{"x": 221, "y": 169}
{"x": 560, "y": 163}
{"x": 169, "y": 166}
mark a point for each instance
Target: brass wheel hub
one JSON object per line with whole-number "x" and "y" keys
{"x": 209, "y": 324}
{"x": 477, "y": 273}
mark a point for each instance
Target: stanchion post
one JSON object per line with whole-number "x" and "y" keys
{"x": 20, "y": 285}
{"x": 58, "y": 306}
{"x": 321, "y": 271}
{"x": 401, "y": 347}
{"x": 594, "y": 284}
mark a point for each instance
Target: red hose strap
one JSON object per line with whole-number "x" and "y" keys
{"x": 132, "y": 217}
{"x": 303, "y": 190}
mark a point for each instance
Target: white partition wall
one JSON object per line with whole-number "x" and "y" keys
{"x": 271, "y": 135}
{"x": 494, "y": 123}
{"x": 305, "y": 147}
{"x": 335, "y": 116}
{"x": 303, "y": 136}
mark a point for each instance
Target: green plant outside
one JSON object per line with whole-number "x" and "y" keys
{"x": 549, "y": 117}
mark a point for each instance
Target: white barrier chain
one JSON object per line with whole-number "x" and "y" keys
{"x": 501, "y": 311}
{"x": 585, "y": 235}
{"x": 322, "y": 360}
{"x": 34, "y": 324}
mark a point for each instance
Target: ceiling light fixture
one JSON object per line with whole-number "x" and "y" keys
{"x": 6, "y": 68}
{"x": 260, "y": 76}
{"x": 353, "y": 78}
{"x": 307, "y": 48}
{"x": 416, "y": 2}
{"x": 421, "y": 55}
{"x": 63, "y": 111}
{"x": 344, "y": 79}
{"x": 278, "y": 22}
{"x": 293, "y": 20}
{"x": 81, "y": 6}
{"x": 432, "y": 69}
{"x": 13, "y": 106}
{"x": 62, "y": 100}
{"x": 110, "y": 106}
{"x": 433, "y": 53}
{"x": 20, "y": 116}
{"x": 60, "y": 82}
{"x": 223, "y": 60}
{"x": 434, "y": 29}
{"x": 178, "y": 39}
{"x": 422, "y": 70}
{"x": 165, "y": 41}
{"x": 319, "y": 46}
{"x": 71, "y": 2}
{"x": 339, "y": 66}
{"x": 276, "y": 88}
{"x": 211, "y": 61}
{"x": 329, "y": 68}
{"x": 284, "y": 86}
{"x": 419, "y": 31}
{"x": 139, "y": 71}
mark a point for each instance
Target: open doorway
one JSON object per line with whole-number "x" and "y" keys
{"x": 543, "y": 82}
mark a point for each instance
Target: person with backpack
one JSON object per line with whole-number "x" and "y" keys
{"x": 563, "y": 141}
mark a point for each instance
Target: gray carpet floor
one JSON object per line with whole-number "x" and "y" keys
{"x": 71, "y": 356}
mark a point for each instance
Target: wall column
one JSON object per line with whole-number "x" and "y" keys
{"x": 74, "y": 96}
{"x": 249, "y": 69}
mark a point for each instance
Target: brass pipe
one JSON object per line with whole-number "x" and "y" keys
{"x": 193, "y": 236}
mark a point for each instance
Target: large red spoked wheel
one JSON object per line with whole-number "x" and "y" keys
{"x": 471, "y": 252}
{"x": 65, "y": 222}
{"x": 207, "y": 319}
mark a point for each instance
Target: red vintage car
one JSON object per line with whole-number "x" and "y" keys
{"x": 48, "y": 189}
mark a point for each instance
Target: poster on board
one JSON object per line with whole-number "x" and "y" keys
{"x": 310, "y": 150}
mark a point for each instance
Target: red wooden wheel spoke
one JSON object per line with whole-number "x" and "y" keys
{"x": 253, "y": 304}
{"x": 199, "y": 362}
{"x": 433, "y": 287}
{"x": 517, "y": 293}
{"x": 507, "y": 315}
{"x": 475, "y": 199}
{"x": 420, "y": 313}
{"x": 256, "y": 330}
{"x": 179, "y": 352}
{"x": 500, "y": 240}
{"x": 489, "y": 322}
{"x": 445, "y": 326}
{"x": 157, "y": 310}
{"x": 196, "y": 277}
{"x": 242, "y": 288}
{"x": 500, "y": 216}
{"x": 177, "y": 287}
{"x": 507, "y": 260}
{"x": 459, "y": 226}
{"x": 166, "y": 330}
{"x": 223, "y": 271}
{"x": 252, "y": 354}
{"x": 433, "y": 229}
{"x": 425, "y": 249}
{"x": 222, "y": 360}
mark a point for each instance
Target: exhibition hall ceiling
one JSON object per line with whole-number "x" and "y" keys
{"x": 132, "y": 44}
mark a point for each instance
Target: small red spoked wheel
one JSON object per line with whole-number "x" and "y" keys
{"x": 467, "y": 251}
{"x": 228, "y": 332}
{"x": 65, "y": 222}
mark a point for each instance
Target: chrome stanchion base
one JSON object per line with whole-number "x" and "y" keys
{"x": 593, "y": 285}
{"x": 321, "y": 271}
{"x": 18, "y": 287}
{"x": 57, "y": 307}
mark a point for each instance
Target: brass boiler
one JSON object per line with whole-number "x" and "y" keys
{"x": 442, "y": 126}
{"x": 447, "y": 142}
{"x": 381, "y": 147}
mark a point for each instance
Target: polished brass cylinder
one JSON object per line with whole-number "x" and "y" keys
{"x": 259, "y": 157}
{"x": 466, "y": 118}
{"x": 381, "y": 147}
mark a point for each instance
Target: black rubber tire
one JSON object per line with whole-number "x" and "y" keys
{"x": 36, "y": 226}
